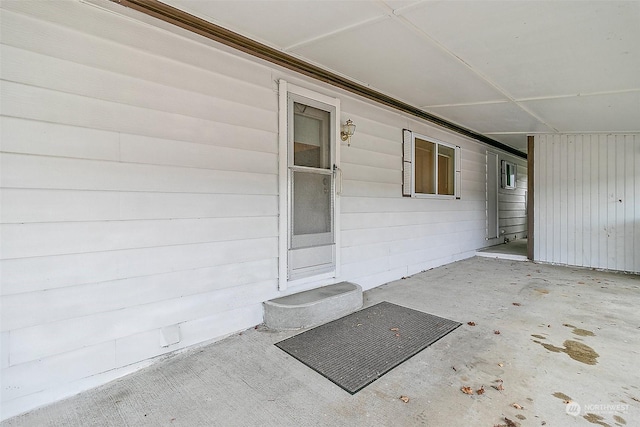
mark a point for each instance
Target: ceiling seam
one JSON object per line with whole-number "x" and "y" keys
{"x": 578, "y": 95}
{"x": 540, "y": 98}
{"x": 412, "y": 27}
{"x": 335, "y": 32}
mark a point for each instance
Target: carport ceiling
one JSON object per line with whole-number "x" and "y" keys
{"x": 504, "y": 69}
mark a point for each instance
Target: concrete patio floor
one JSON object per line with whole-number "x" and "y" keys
{"x": 516, "y": 250}
{"x": 542, "y": 354}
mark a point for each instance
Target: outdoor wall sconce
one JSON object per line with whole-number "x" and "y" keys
{"x": 348, "y": 129}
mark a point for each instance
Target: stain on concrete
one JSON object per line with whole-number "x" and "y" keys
{"x": 540, "y": 337}
{"x": 542, "y": 291}
{"x": 595, "y": 419}
{"x": 562, "y": 396}
{"x": 581, "y": 352}
{"x": 576, "y": 350}
{"x": 550, "y": 347}
{"x": 619, "y": 419}
{"x": 579, "y": 331}
{"x": 521, "y": 417}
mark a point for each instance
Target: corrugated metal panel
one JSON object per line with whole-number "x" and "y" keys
{"x": 587, "y": 210}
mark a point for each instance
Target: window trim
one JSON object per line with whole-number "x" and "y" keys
{"x": 409, "y": 173}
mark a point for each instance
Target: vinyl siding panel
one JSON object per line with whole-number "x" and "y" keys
{"x": 587, "y": 200}
{"x": 139, "y": 172}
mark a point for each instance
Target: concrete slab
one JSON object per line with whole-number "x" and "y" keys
{"x": 313, "y": 307}
{"x": 564, "y": 333}
{"x": 515, "y": 250}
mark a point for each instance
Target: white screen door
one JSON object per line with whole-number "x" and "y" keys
{"x": 311, "y": 182}
{"x": 493, "y": 172}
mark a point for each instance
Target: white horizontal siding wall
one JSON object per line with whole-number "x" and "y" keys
{"x": 587, "y": 200}
{"x": 386, "y": 236}
{"x": 139, "y": 192}
{"x": 512, "y": 206}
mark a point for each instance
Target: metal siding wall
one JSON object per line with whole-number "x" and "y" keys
{"x": 587, "y": 195}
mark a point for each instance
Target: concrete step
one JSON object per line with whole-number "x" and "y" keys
{"x": 311, "y": 308}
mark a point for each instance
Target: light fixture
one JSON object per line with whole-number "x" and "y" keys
{"x": 348, "y": 129}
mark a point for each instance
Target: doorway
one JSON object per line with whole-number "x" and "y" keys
{"x": 311, "y": 171}
{"x": 492, "y": 175}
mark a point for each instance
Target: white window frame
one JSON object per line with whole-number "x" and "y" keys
{"x": 408, "y": 167}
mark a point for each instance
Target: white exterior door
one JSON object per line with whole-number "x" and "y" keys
{"x": 493, "y": 171}
{"x": 311, "y": 184}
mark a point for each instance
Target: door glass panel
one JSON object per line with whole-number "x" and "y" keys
{"x": 311, "y": 128}
{"x": 311, "y": 203}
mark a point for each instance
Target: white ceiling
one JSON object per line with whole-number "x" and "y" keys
{"x": 505, "y": 69}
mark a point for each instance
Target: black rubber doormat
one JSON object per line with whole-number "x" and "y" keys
{"x": 357, "y": 349}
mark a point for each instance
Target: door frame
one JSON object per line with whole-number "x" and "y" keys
{"x": 284, "y": 226}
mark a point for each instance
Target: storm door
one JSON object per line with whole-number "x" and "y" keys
{"x": 311, "y": 183}
{"x": 493, "y": 176}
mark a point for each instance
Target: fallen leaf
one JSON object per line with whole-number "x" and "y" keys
{"x": 501, "y": 364}
{"x": 517, "y": 304}
{"x": 498, "y": 387}
{"x": 636, "y": 399}
{"x": 405, "y": 399}
{"x": 544, "y": 423}
{"x": 480, "y": 390}
{"x": 397, "y": 335}
{"x": 471, "y": 323}
{"x": 467, "y": 390}
{"x": 394, "y": 329}
{"x": 497, "y": 332}
{"x": 515, "y": 405}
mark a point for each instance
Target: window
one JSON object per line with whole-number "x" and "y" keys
{"x": 508, "y": 175}
{"x": 431, "y": 168}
